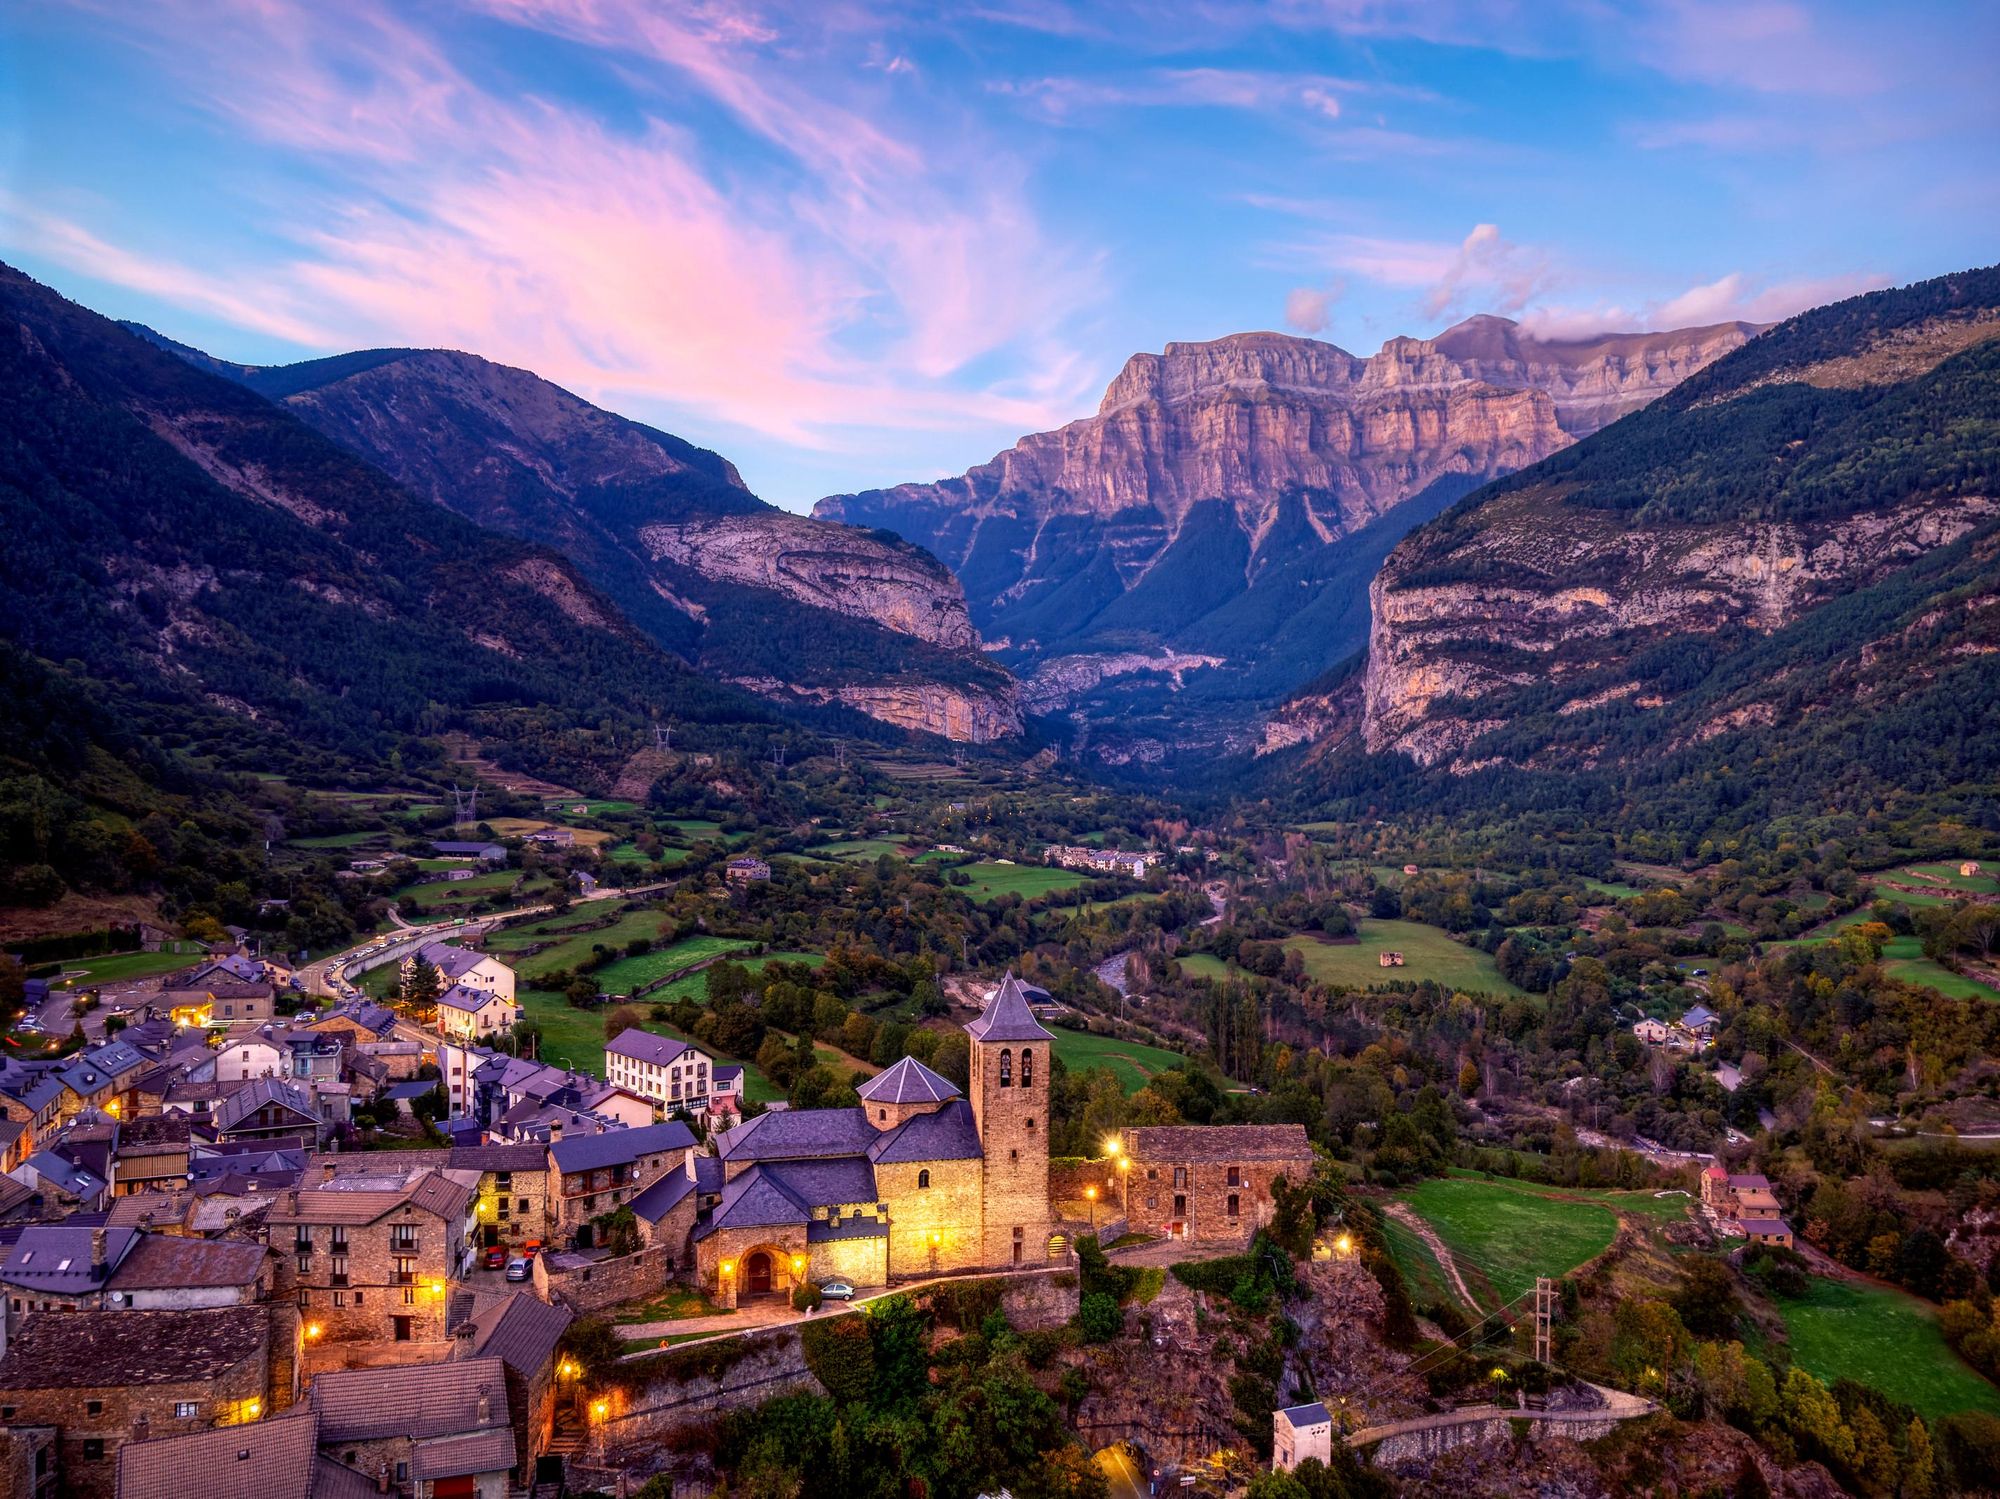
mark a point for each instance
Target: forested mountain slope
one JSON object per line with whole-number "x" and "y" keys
{"x": 1776, "y": 591}
{"x": 792, "y": 608}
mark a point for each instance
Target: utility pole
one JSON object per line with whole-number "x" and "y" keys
{"x": 464, "y": 805}
{"x": 663, "y": 736}
{"x": 778, "y": 757}
{"x": 1545, "y": 1307}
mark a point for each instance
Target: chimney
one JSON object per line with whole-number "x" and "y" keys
{"x": 485, "y": 1407}
{"x": 382, "y": 1477}
{"x": 555, "y": 1132}
{"x": 292, "y": 1201}
{"x": 97, "y": 1254}
{"x": 142, "y": 1426}
{"x": 326, "y": 1171}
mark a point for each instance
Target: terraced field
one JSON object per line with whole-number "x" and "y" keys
{"x": 1843, "y": 1327}
{"x": 990, "y": 880}
{"x": 629, "y": 974}
{"x": 1427, "y": 954}
{"x": 1503, "y": 1234}
{"x": 1131, "y": 1062}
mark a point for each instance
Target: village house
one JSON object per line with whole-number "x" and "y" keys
{"x": 104, "y": 1379}
{"x": 1652, "y": 1032}
{"x": 1209, "y": 1184}
{"x": 1969, "y": 869}
{"x": 56, "y": 1267}
{"x": 223, "y": 991}
{"x": 268, "y": 1109}
{"x": 522, "y": 1332}
{"x": 589, "y": 1175}
{"x": 427, "y": 1430}
{"x": 673, "y": 1074}
{"x": 1299, "y": 1432}
{"x": 163, "y": 1272}
{"x": 456, "y": 965}
{"x": 745, "y": 868}
{"x": 1697, "y": 1027}
{"x": 31, "y": 1095}
{"x": 1745, "y": 1203}
{"x": 471, "y": 1013}
{"x": 1128, "y": 862}
{"x": 364, "y": 1264}
{"x": 485, "y": 853}
{"x": 152, "y": 1152}
{"x": 1389, "y": 959}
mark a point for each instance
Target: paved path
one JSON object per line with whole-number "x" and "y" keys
{"x": 1122, "y": 1477}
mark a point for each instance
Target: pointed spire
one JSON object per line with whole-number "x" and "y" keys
{"x": 1008, "y": 1016}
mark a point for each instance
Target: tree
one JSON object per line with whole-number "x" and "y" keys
{"x": 1919, "y": 1464}
{"x": 1099, "y": 1318}
{"x": 422, "y": 983}
{"x": 1706, "y": 1298}
{"x": 1813, "y": 1418}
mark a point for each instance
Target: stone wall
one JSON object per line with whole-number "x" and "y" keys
{"x": 1014, "y": 1133}
{"x": 949, "y": 1206}
{"x": 592, "y": 1285}
{"x": 1069, "y": 1177}
{"x": 644, "y": 1419}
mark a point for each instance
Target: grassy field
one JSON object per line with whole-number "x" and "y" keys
{"x": 1505, "y": 1234}
{"x": 429, "y": 897}
{"x": 575, "y": 1038}
{"x": 1617, "y": 890}
{"x": 1888, "y": 1339}
{"x": 117, "y": 968}
{"x": 627, "y": 974}
{"x": 1903, "y": 957}
{"x": 1203, "y": 965}
{"x": 1025, "y": 880}
{"x": 573, "y": 949}
{"x": 631, "y": 853}
{"x": 857, "y": 850}
{"x": 1427, "y": 954}
{"x": 1985, "y": 882}
{"x": 336, "y": 840}
{"x": 1131, "y": 1062}
{"x": 592, "y": 807}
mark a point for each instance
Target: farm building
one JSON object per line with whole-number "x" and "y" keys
{"x": 1390, "y": 959}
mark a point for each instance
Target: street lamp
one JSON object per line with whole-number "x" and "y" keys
{"x": 1091, "y": 1193}
{"x": 1344, "y": 1245}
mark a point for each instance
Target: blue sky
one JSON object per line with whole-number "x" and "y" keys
{"x": 851, "y": 244}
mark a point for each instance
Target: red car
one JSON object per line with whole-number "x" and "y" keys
{"x": 496, "y": 1258}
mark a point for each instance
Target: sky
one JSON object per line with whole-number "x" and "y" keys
{"x": 850, "y": 244}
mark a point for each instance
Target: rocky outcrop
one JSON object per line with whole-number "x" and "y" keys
{"x": 1230, "y": 499}
{"x": 828, "y": 566}
{"x": 965, "y": 715}
{"x": 1063, "y": 680}
{"x": 1438, "y": 651}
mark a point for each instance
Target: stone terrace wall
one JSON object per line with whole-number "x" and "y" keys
{"x": 686, "y": 1388}
{"x": 592, "y": 1286}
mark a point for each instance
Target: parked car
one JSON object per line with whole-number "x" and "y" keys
{"x": 519, "y": 1270}
{"x": 496, "y": 1258}
{"x": 532, "y": 1248}
{"x": 836, "y": 1290}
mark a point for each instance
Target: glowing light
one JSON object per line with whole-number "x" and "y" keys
{"x": 437, "y": 1288}
{"x": 729, "y": 1267}
{"x": 1344, "y": 1244}
{"x": 312, "y": 1329}
{"x": 1091, "y": 1193}
{"x": 1124, "y": 1164}
{"x": 934, "y": 1238}
{"x": 1114, "y": 1146}
{"x": 568, "y": 1370}
{"x": 798, "y": 1263}
{"x": 1499, "y": 1373}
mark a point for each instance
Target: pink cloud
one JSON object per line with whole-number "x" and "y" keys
{"x": 1734, "y": 297}
{"x": 852, "y": 287}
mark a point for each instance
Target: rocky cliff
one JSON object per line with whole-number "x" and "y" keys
{"x": 743, "y": 590}
{"x": 1795, "y": 541}
{"x": 1230, "y": 500}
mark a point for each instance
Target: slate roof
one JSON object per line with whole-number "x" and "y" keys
{"x": 162, "y": 1261}
{"x": 1699, "y": 1016}
{"x": 55, "y": 1258}
{"x": 1007, "y": 1016}
{"x": 499, "y": 1158}
{"x": 1218, "y": 1142}
{"x": 1764, "y": 1225}
{"x": 244, "y": 1102}
{"x": 487, "y": 1451}
{"x": 65, "y": 1175}
{"x": 644, "y": 1046}
{"x": 78, "y": 1350}
{"x": 755, "y": 1200}
{"x": 660, "y": 1198}
{"x": 418, "y": 1088}
{"x": 909, "y": 1081}
{"x": 729, "y": 1070}
{"x": 370, "y": 1017}
{"x": 275, "y": 1459}
{"x": 471, "y": 1000}
{"x": 522, "y": 1332}
{"x": 1307, "y": 1415}
{"x": 619, "y": 1147}
{"x": 150, "y": 1130}
{"x": 414, "y": 1400}
{"x": 476, "y": 850}
{"x": 448, "y": 960}
{"x": 798, "y": 1135}
{"x": 822, "y": 1230}
{"x": 1751, "y": 1181}
{"x": 34, "y": 1086}
{"x": 334, "y": 1204}
{"x": 948, "y": 1134}
{"x": 826, "y": 1184}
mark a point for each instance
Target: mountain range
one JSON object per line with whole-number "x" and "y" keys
{"x": 1163, "y": 571}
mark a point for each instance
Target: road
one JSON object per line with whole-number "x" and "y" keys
{"x": 1122, "y": 1476}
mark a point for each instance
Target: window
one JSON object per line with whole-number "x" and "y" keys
{"x": 1006, "y": 1067}
{"x": 93, "y": 1448}
{"x": 1152, "y": 1199}
{"x": 1235, "y": 1205}
{"x": 1180, "y": 1206}
{"x": 1180, "y": 1176}
{"x": 1031, "y": 1124}
{"x": 340, "y": 1298}
{"x": 357, "y": 1298}
{"x": 340, "y": 1239}
{"x": 1235, "y": 1177}
{"x": 881, "y": 1113}
{"x": 403, "y": 1328}
{"x": 302, "y": 1239}
{"x": 524, "y": 1205}
{"x": 186, "y": 1410}
{"x": 93, "y": 1407}
{"x": 406, "y": 1270}
{"x": 923, "y": 1180}
{"x": 338, "y": 1274}
{"x": 1027, "y": 1068}
{"x": 403, "y": 1236}
{"x": 410, "y": 1292}
{"x": 305, "y": 1297}
{"x": 305, "y": 1264}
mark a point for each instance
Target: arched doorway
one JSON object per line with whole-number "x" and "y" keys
{"x": 757, "y": 1273}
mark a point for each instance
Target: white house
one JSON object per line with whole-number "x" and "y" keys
{"x": 474, "y": 970}
{"x": 1299, "y": 1432}
{"x": 256, "y": 1054}
{"x": 1652, "y": 1032}
{"x": 673, "y": 1074}
{"x": 469, "y": 1013}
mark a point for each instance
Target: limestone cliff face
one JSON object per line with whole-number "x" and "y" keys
{"x": 665, "y": 528}
{"x": 828, "y": 566}
{"x": 1442, "y": 653}
{"x": 1230, "y": 498}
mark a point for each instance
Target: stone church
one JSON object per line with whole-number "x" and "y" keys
{"x": 918, "y": 1180}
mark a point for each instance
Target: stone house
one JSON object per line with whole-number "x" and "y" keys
{"x": 1210, "y": 1184}
{"x": 512, "y": 1202}
{"x": 426, "y": 1430}
{"x": 1390, "y": 959}
{"x": 276, "y": 1459}
{"x": 470, "y": 1012}
{"x": 522, "y": 1332}
{"x": 1299, "y": 1432}
{"x": 745, "y": 868}
{"x": 593, "y": 1174}
{"x": 371, "y": 1265}
{"x": 104, "y": 1379}
{"x": 56, "y": 1267}
{"x": 176, "y": 1273}
{"x": 31, "y": 1095}
{"x": 152, "y": 1152}
{"x": 209, "y": 997}
{"x": 456, "y": 965}
{"x": 270, "y": 1109}
{"x": 1652, "y": 1032}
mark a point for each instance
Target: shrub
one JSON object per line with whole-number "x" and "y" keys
{"x": 1099, "y": 1318}
{"x": 841, "y": 1356}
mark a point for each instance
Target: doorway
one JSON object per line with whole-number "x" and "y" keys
{"x": 757, "y": 1271}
